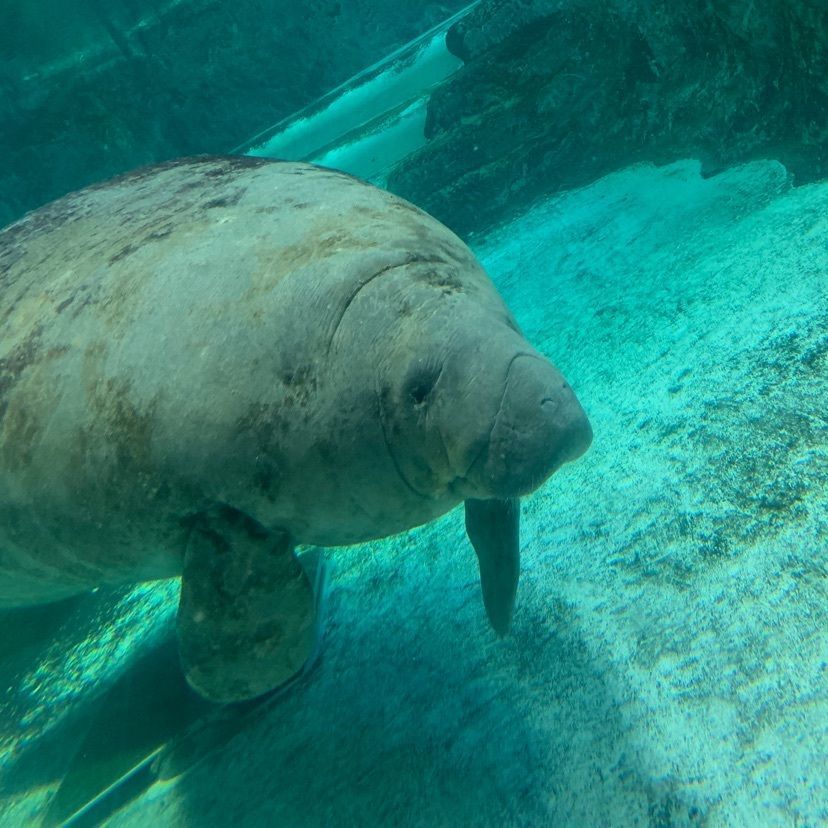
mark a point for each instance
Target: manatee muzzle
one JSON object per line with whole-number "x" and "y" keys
{"x": 539, "y": 426}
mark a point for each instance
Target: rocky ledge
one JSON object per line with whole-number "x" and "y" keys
{"x": 555, "y": 94}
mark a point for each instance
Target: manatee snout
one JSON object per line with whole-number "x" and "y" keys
{"x": 539, "y": 426}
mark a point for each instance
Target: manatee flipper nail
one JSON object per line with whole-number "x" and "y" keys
{"x": 246, "y": 617}
{"x": 493, "y": 527}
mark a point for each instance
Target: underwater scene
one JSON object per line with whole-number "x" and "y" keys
{"x": 414, "y": 414}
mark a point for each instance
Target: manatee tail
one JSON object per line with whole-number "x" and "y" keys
{"x": 493, "y": 527}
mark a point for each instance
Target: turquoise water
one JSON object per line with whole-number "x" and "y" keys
{"x": 668, "y": 661}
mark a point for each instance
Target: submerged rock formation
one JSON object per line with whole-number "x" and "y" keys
{"x": 556, "y": 93}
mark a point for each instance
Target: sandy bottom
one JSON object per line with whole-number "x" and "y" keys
{"x": 668, "y": 663}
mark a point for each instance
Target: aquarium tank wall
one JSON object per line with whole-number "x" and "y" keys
{"x": 94, "y": 88}
{"x": 500, "y": 330}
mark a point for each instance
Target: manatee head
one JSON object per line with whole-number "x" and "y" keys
{"x": 469, "y": 407}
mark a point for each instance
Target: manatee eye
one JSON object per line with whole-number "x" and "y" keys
{"x": 420, "y": 382}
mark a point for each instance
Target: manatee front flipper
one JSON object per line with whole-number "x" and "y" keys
{"x": 150, "y": 726}
{"x": 493, "y": 527}
{"x": 246, "y": 617}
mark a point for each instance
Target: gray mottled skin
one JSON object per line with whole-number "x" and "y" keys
{"x": 274, "y": 339}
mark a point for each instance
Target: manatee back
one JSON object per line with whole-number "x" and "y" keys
{"x": 232, "y": 227}
{"x": 172, "y": 258}
{"x": 204, "y": 276}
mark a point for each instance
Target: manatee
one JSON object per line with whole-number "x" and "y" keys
{"x": 208, "y": 362}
